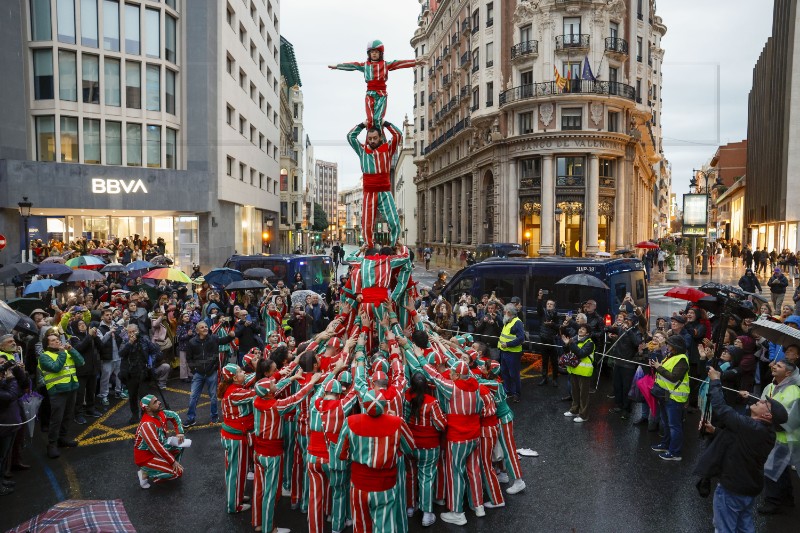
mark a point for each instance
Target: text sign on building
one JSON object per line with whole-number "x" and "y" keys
{"x": 695, "y": 215}
{"x": 115, "y": 186}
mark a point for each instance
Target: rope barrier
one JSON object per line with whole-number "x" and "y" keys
{"x": 19, "y": 424}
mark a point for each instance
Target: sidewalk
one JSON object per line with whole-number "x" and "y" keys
{"x": 724, "y": 273}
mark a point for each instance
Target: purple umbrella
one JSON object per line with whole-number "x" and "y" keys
{"x": 101, "y": 251}
{"x": 82, "y": 274}
{"x": 54, "y": 259}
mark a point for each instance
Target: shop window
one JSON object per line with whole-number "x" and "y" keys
{"x": 153, "y": 88}
{"x": 43, "y": 74}
{"x": 113, "y": 143}
{"x": 133, "y": 144}
{"x": 65, "y": 21}
{"x": 89, "y": 23}
{"x": 172, "y": 148}
{"x": 46, "y": 138}
{"x": 153, "y": 146}
{"x": 67, "y": 76}
{"x": 132, "y": 29}
{"x": 152, "y": 20}
{"x": 111, "y": 25}
{"x": 91, "y": 141}
{"x": 90, "y": 71}
{"x": 40, "y": 20}
{"x": 111, "y": 80}
{"x": 69, "y": 140}
{"x": 133, "y": 85}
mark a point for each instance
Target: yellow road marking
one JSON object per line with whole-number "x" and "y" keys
{"x": 72, "y": 478}
{"x": 528, "y": 373}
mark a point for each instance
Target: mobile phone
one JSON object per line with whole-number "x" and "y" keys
{"x": 53, "y": 302}
{"x": 569, "y": 314}
{"x": 545, "y": 292}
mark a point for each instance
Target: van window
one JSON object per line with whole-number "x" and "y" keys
{"x": 278, "y": 268}
{"x": 464, "y": 285}
{"x": 315, "y": 272}
{"x": 640, "y": 288}
{"x": 504, "y": 287}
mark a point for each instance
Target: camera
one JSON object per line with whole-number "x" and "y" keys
{"x": 5, "y": 367}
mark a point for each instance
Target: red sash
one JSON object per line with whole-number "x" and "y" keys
{"x": 374, "y": 295}
{"x": 425, "y": 436}
{"x": 463, "y": 428}
{"x": 376, "y": 85}
{"x": 317, "y": 445}
{"x": 380, "y": 182}
{"x": 489, "y": 421}
{"x": 372, "y": 479}
{"x": 268, "y": 447}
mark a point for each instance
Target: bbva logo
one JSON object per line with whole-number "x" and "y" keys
{"x": 114, "y": 186}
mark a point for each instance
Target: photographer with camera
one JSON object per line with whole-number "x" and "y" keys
{"x": 625, "y": 347}
{"x": 110, "y": 335}
{"x": 488, "y": 326}
{"x": 548, "y": 334}
{"x": 138, "y": 355}
{"x": 247, "y": 332}
{"x": 203, "y": 359}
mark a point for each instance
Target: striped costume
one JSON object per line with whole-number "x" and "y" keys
{"x": 376, "y": 165}
{"x": 426, "y": 427}
{"x": 151, "y": 453}
{"x": 506, "y": 418}
{"x": 489, "y": 434}
{"x": 237, "y": 423}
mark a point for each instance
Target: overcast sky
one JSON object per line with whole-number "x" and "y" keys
{"x": 710, "y": 48}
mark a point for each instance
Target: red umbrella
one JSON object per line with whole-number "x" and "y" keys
{"x": 648, "y": 244}
{"x": 686, "y": 293}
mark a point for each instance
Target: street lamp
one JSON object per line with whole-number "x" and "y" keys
{"x": 270, "y": 222}
{"x": 450, "y": 239}
{"x": 706, "y": 175}
{"x": 527, "y": 242}
{"x": 25, "y": 213}
{"x": 558, "y": 212}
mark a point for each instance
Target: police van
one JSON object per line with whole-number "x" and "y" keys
{"x": 524, "y": 277}
{"x": 316, "y": 270}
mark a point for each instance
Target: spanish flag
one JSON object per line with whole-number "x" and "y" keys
{"x": 560, "y": 81}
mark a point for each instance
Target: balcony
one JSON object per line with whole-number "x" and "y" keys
{"x": 439, "y": 64}
{"x": 446, "y": 81}
{"x": 475, "y": 28}
{"x": 464, "y": 92}
{"x": 549, "y": 89}
{"x": 570, "y": 181}
{"x": 432, "y": 97}
{"x": 289, "y": 154}
{"x": 572, "y": 42}
{"x": 465, "y": 26}
{"x": 564, "y": 3}
{"x": 446, "y": 52}
{"x": 466, "y": 58}
{"x": 449, "y": 134}
{"x": 525, "y": 50}
{"x": 616, "y": 46}
{"x": 454, "y": 38}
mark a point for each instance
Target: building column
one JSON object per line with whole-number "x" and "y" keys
{"x": 441, "y": 215}
{"x": 477, "y": 216}
{"x": 464, "y": 222}
{"x": 430, "y": 200}
{"x": 512, "y": 220}
{"x": 454, "y": 219}
{"x": 548, "y": 207}
{"x": 619, "y": 204}
{"x": 592, "y": 203}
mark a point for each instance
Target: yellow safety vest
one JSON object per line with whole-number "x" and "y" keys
{"x": 678, "y": 392}
{"x": 64, "y": 376}
{"x": 585, "y": 367}
{"x": 507, "y": 336}
{"x": 786, "y": 397}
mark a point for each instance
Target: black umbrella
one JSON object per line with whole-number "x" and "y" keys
{"x": 84, "y": 275}
{"x": 715, "y": 289}
{"x": 244, "y": 285}
{"x": 8, "y": 317}
{"x": 25, "y": 324}
{"x": 161, "y": 260}
{"x": 26, "y": 305}
{"x": 53, "y": 269}
{"x": 17, "y": 269}
{"x": 113, "y": 267}
{"x": 718, "y": 306}
{"x": 259, "y": 273}
{"x": 582, "y": 280}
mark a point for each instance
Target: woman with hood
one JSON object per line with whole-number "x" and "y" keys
{"x": 749, "y": 282}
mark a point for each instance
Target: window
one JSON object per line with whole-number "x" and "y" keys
{"x": 295, "y": 111}
{"x": 295, "y": 134}
{"x": 253, "y": 53}
{"x": 172, "y": 142}
{"x": 261, "y": 141}
{"x": 43, "y": 74}
{"x": 242, "y": 34}
{"x": 572, "y": 72}
{"x": 639, "y": 90}
{"x": 613, "y": 121}
{"x": 525, "y": 33}
{"x": 69, "y": 140}
{"x": 170, "y": 39}
{"x": 569, "y": 167}
{"x": 261, "y": 64}
{"x": 422, "y": 98}
{"x": 132, "y": 30}
{"x": 111, "y": 73}
{"x": 476, "y": 20}
{"x": 153, "y": 73}
{"x": 612, "y": 75}
{"x": 252, "y": 176}
{"x": 260, "y": 180}
{"x": 229, "y": 166}
{"x": 90, "y": 70}
{"x": 242, "y": 79}
{"x": 261, "y": 101}
{"x": 489, "y": 54}
{"x": 530, "y": 168}
{"x": 639, "y": 9}
{"x": 89, "y": 23}
{"x": 475, "y": 98}
{"x": 170, "y": 92}
{"x": 526, "y": 78}
{"x": 133, "y": 85}
{"x": 172, "y": 4}
{"x": 242, "y": 125}
{"x": 152, "y": 20}
{"x": 242, "y": 170}
{"x": 67, "y": 76}
{"x": 572, "y": 30}
{"x": 45, "y": 138}
{"x": 490, "y": 94}
{"x": 571, "y": 118}
{"x": 613, "y": 31}
{"x": 133, "y": 144}
{"x": 230, "y": 65}
{"x": 113, "y": 143}
{"x": 65, "y": 17}
{"x": 422, "y": 124}
{"x": 111, "y": 25}
{"x": 230, "y": 18}
{"x": 606, "y": 168}
{"x": 91, "y": 141}
{"x": 153, "y": 146}
{"x": 252, "y": 134}
{"x": 489, "y": 14}
{"x": 525, "y": 123}
{"x": 476, "y": 56}
{"x": 40, "y": 20}
{"x": 253, "y": 91}
{"x": 639, "y": 46}
{"x": 229, "y": 114}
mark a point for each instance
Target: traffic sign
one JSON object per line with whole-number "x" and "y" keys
{"x": 2, "y": 241}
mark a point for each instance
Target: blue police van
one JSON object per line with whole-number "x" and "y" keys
{"x": 524, "y": 277}
{"x": 315, "y": 269}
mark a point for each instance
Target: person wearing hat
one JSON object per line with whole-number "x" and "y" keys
{"x": 374, "y": 442}
{"x": 749, "y": 282}
{"x": 738, "y": 452}
{"x": 672, "y": 375}
{"x": 777, "y": 284}
{"x": 510, "y": 345}
{"x": 157, "y": 460}
{"x": 237, "y": 422}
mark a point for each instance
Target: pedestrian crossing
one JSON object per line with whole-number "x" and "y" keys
{"x": 656, "y": 294}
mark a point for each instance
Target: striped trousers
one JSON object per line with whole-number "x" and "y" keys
{"x": 236, "y": 453}
{"x": 383, "y": 203}
{"x": 299, "y": 477}
{"x": 266, "y": 490}
{"x": 375, "y": 104}
{"x": 510, "y": 449}
{"x": 489, "y": 435}
{"x": 373, "y": 511}
{"x": 318, "y": 494}
{"x": 441, "y": 472}
{"x": 289, "y": 430}
{"x": 340, "y": 497}
{"x": 159, "y": 470}
{"x": 421, "y": 469}
{"x": 400, "y": 515}
{"x": 463, "y": 473}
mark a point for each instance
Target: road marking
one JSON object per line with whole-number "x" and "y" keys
{"x": 74, "y": 485}
{"x": 529, "y": 372}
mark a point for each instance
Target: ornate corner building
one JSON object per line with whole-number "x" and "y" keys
{"x": 539, "y": 122}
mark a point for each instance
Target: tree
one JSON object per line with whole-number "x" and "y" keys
{"x": 320, "y": 218}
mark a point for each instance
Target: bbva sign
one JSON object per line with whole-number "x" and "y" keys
{"x": 115, "y": 186}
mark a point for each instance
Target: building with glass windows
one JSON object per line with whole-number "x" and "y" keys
{"x": 141, "y": 117}
{"x": 539, "y": 122}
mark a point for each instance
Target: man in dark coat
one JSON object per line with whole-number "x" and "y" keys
{"x": 626, "y": 347}
{"x": 548, "y": 333}
{"x": 137, "y": 355}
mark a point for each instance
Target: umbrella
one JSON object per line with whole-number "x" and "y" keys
{"x": 161, "y": 260}
{"x": 101, "y": 251}
{"x": 582, "y": 280}
{"x": 17, "y": 269}
{"x": 259, "y": 273}
{"x": 84, "y": 275}
{"x": 54, "y": 259}
{"x": 8, "y": 317}
{"x": 85, "y": 261}
{"x": 152, "y": 292}
{"x": 80, "y": 515}
{"x": 686, "y": 293}
{"x": 41, "y": 286}
{"x": 26, "y": 305}
{"x": 113, "y": 267}
{"x": 516, "y": 253}
{"x": 776, "y": 332}
{"x": 139, "y": 265}
{"x": 171, "y": 274}
{"x": 30, "y": 403}
{"x": 716, "y": 306}
{"x": 220, "y": 277}
{"x": 26, "y": 324}
{"x": 246, "y": 284}
{"x": 650, "y": 245}
{"x": 299, "y": 297}
{"x": 53, "y": 269}
{"x": 69, "y": 253}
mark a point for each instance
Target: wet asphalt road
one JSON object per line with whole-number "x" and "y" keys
{"x": 597, "y": 477}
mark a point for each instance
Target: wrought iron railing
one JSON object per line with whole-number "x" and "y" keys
{"x": 550, "y": 88}
{"x": 572, "y": 40}
{"x": 524, "y": 48}
{"x": 615, "y": 44}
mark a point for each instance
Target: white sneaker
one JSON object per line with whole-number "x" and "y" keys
{"x": 286, "y": 492}
{"x": 348, "y": 523}
{"x": 480, "y": 512}
{"x": 245, "y": 507}
{"x": 502, "y": 477}
{"x": 578, "y": 419}
{"x": 410, "y": 511}
{"x": 454, "y": 518}
{"x": 518, "y": 486}
{"x": 250, "y": 476}
{"x": 438, "y": 502}
{"x": 143, "y": 482}
{"x": 569, "y": 414}
{"x": 283, "y": 530}
{"x": 428, "y": 519}
{"x": 490, "y": 505}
